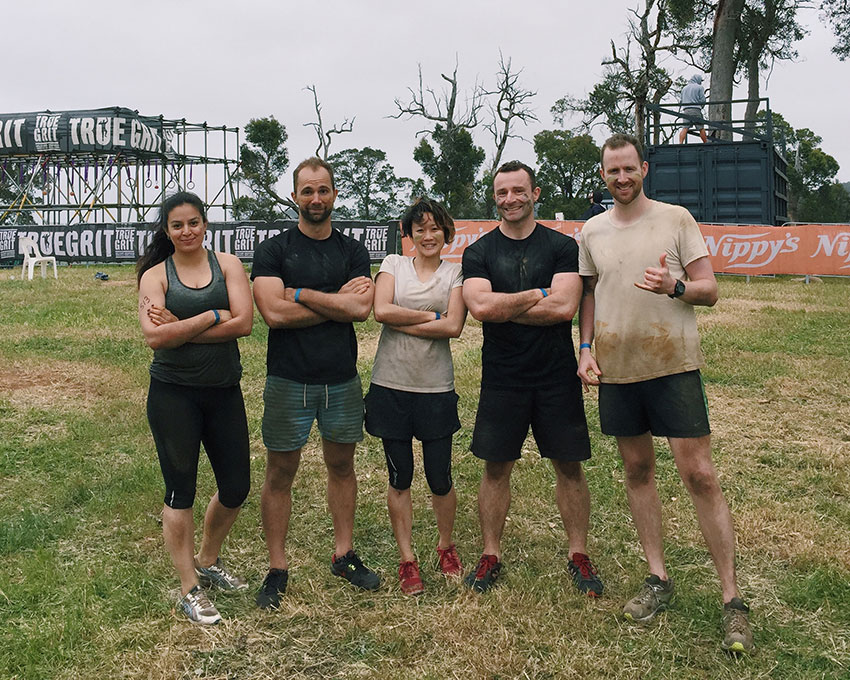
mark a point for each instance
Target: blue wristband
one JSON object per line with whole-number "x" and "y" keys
{"x": 545, "y": 294}
{"x": 438, "y": 316}
{"x": 584, "y": 345}
{"x": 217, "y": 316}
{"x": 297, "y": 294}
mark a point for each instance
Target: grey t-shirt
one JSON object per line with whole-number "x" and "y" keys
{"x": 405, "y": 362}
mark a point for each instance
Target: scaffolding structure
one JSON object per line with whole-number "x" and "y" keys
{"x": 108, "y": 185}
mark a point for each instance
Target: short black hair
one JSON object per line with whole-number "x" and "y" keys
{"x": 427, "y": 206}
{"x": 597, "y": 196}
{"x": 513, "y": 166}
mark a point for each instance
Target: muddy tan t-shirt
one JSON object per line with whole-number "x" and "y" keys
{"x": 640, "y": 335}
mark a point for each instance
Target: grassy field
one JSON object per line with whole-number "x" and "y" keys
{"x": 87, "y": 589}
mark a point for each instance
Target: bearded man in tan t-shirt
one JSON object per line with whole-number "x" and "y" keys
{"x": 644, "y": 265}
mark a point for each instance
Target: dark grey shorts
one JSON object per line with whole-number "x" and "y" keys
{"x": 670, "y": 406}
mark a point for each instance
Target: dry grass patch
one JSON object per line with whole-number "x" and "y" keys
{"x": 64, "y": 385}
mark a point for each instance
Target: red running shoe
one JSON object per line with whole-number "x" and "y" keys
{"x": 450, "y": 561}
{"x": 408, "y": 576}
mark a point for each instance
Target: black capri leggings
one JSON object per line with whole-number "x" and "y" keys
{"x": 181, "y": 417}
{"x": 436, "y": 457}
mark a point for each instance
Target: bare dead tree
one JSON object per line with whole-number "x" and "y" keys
{"x": 512, "y": 106}
{"x": 442, "y": 107}
{"x": 324, "y": 136}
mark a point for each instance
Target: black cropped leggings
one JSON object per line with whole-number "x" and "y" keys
{"x": 181, "y": 418}
{"x": 436, "y": 457}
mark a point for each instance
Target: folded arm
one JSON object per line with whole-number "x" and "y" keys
{"x": 449, "y": 325}
{"x": 559, "y": 306}
{"x": 485, "y": 305}
{"x": 352, "y": 302}
{"x": 161, "y": 329}
{"x": 277, "y": 311}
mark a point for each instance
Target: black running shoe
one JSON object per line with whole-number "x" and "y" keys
{"x": 274, "y": 585}
{"x": 485, "y": 574}
{"x": 354, "y": 571}
{"x": 584, "y": 575}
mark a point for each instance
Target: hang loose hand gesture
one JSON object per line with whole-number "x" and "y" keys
{"x": 657, "y": 279}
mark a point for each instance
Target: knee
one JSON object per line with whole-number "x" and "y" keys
{"x": 640, "y": 473}
{"x": 569, "y": 470}
{"x": 440, "y": 485}
{"x": 498, "y": 473}
{"x": 234, "y": 495}
{"x": 702, "y": 482}
{"x": 340, "y": 469}
{"x": 400, "y": 480}
{"x": 279, "y": 477}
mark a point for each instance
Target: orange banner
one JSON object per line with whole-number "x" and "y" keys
{"x": 749, "y": 250}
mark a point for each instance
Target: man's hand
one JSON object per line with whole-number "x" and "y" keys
{"x": 657, "y": 279}
{"x": 588, "y": 370}
{"x": 357, "y": 285}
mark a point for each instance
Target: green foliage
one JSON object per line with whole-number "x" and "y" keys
{"x": 837, "y": 14}
{"x": 568, "y": 169}
{"x": 264, "y": 159}
{"x": 365, "y": 178}
{"x": 815, "y": 196}
{"x": 452, "y": 167}
{"x": 828, "y": 203}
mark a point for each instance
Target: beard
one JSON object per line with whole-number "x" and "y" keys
{"x": 316, "y": 217}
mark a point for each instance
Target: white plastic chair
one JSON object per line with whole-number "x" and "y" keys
{"x": 32, "y": 257}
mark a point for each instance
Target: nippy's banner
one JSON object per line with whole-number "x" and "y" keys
{"x": 110, "y": 130}
{"x": 733, "y": 249}
{"x": 126, "y": 242}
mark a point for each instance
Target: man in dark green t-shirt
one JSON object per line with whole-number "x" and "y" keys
{"x": 310, "y": 284}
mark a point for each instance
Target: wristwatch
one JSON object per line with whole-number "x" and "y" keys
{"x": 678, "y": 290}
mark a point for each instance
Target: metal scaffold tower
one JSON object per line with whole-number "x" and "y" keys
{"x": 111, "y": 165}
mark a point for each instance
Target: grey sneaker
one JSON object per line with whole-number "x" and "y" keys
{"x": 654, "y": 596}
{"x": 198, "y": 608}
{"x": 218, "y": 575}
{"x": 737, "y": 636}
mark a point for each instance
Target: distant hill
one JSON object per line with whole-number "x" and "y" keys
{"x": 846, "y": 186}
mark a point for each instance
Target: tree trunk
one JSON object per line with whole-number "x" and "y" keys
{"x": 752, "y": 90}
{"x": 726, "y": 24}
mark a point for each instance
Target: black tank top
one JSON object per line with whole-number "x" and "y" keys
{"x": 197, "y": 364}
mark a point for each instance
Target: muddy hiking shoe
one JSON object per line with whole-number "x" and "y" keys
{"x": 274, "y": 585}
{"x": 218, "y": 575}
{"x": 485, "y": 574}
{"x": 450, "y": 561}
{"x": 585, "y": 576}
{"x": 409, "y": 578}
{"x": 737, "y": 635}
{"x": 354, "y": 571}
{"x": 654, "y": 596}
{"x": 197, "y": 607}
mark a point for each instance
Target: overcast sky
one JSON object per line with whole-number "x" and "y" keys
{"x": 226, "y": 62}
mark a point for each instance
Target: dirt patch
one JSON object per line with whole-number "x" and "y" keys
{"x": 51, "y": 384}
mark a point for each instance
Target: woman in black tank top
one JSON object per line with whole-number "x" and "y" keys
{"x": 193, "y": 305}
